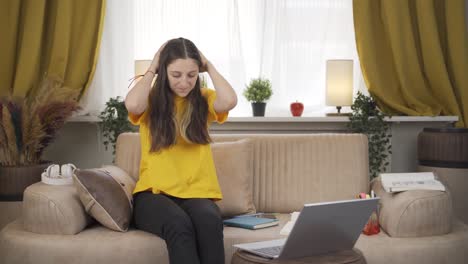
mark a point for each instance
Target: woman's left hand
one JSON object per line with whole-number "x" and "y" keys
{"x": 204, "y": 61}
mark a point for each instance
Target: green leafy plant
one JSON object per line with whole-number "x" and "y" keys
{"x": 114, "y": 119}
{"x": 367, "y": 119}
{"x": 258, "y": 91}
{"x": 29, "y": 124}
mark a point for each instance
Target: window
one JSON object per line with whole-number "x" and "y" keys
{"x": 287, "y": 41}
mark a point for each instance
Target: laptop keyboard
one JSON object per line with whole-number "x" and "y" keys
{"x": 269, "y": 251}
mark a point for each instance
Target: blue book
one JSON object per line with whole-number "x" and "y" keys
{"x": 251, "y": 222}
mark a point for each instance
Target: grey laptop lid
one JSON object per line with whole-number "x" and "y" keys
{"x": 328, "y": 227}
{"x": 322, "y": 228}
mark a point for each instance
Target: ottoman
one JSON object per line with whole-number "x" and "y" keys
{"x": 52, "y": 209}
{"x": 342, "y": 257}
{"x": 415, "y": 213}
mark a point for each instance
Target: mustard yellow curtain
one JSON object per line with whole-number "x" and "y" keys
{"x": 414, "y": 55}
{"x": 59, "y": 38}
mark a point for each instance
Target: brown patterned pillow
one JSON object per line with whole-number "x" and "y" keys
{"x": 106, "y": 194}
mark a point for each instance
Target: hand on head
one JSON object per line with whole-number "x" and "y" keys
{"x": 204, "y": 66}
{"x": 155, "y": 63}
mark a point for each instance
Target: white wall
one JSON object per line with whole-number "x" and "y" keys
{"x": 79, "y": 143}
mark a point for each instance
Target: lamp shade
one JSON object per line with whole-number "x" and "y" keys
{"x": 339, "y": 83}
{"x": 141, "y": 66}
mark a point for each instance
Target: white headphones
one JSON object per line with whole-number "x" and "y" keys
{"x": 56, "y": 175}
{"x": 67, "y": 170}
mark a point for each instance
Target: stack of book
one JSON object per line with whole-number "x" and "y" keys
{"x": 253, "y": 222}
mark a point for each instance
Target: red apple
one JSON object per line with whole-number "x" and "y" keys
{"x": 297, "y": 108}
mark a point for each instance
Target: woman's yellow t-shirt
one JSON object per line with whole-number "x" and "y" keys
{"x": 184, "y": 170}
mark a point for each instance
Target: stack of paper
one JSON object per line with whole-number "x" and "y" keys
{"x": 289, "y": 225}
{"x": 398, "y": 182}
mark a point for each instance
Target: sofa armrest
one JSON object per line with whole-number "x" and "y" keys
{"x": 414, "y": 213}
{"x": 53, "y": 209}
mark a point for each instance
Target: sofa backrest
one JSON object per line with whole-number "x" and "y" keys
{"x": 289, "y": 169}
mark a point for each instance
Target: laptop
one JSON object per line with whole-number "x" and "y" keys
{"x": 320, "y": 228}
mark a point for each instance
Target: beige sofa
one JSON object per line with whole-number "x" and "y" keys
{"x": 288, "y": 171}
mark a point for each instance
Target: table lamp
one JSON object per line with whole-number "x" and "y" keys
{"x": 141, "y": 66}
{"x": 339, "y": 84}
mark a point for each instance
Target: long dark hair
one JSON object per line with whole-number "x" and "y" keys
{"x": 162, "y": 120}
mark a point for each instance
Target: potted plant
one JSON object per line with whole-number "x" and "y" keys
{"x": 27, "y": 126}
{"x": 367, "y": 119}
{"x": 114, "y": 121}
{"x": 258, "y": 92}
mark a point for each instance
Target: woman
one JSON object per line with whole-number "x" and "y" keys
{"x": 174, "y": 196}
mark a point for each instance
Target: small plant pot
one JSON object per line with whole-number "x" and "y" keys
{"x": 258, "y": 109}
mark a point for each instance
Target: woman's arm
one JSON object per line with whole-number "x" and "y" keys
{"x": 136, "y": 100}
{"x": 226, "y": 98}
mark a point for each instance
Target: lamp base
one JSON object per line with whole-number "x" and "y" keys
{"x": 338, "y": 114}
{"x": 338, "y": 108}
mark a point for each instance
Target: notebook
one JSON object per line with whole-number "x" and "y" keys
{"x": 251, "y": 222}
{"x": 320, "y": 228}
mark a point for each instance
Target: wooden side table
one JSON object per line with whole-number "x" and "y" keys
{"x": 342, "y": 257}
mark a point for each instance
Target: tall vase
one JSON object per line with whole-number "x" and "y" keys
{"x": 13, "y": 180}
{"x": 258, "y": 109}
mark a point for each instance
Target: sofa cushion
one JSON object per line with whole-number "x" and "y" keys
{"x": 234, "y": 168}
{"x": 52, "y": 209}
{"x": 106, "y": 194}
{"x": 414, "y": 213}
{"x": 293, "y": 169}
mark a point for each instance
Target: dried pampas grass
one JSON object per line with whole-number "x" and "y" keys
{"x": 28, "y": 125}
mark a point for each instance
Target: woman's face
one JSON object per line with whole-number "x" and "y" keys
{"x": 182, "y": 75}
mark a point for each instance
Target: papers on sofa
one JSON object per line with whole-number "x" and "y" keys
{"x": 289, "y": 225}
{"x": 398, "y": 182}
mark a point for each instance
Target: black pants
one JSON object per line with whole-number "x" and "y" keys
{"x": 192, "y": 228}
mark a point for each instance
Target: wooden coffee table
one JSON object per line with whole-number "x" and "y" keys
{"x": 342, "y": 257}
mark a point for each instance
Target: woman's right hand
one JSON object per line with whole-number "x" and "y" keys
{"x": 155, "y": 63}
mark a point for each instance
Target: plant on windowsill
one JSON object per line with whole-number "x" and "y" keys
{"x": 114, "y": 119}
{"x": 367, "y": 119}
{"x": 258, "y": 92}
